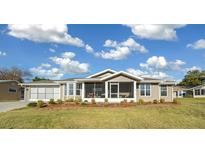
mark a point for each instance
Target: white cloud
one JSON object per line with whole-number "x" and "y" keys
{"x": 68, "y": 65}
{"x": 115, "y": 54}
{"x": 136, "y": 72}
{"x": 160, "y": 63}
{"x": 157, "y": 67}
{"x": 193, "y": 68}
{"x": 121, "y": 50}
{"x": 200, "y": 44}
{"x": 110, "y": 43}
{"x": 88, "y": 48}
{"x": 45, "y": 65}
{"x": 155, "y": 32}
{"x": 155, "y": 62}
{"x": 46, "y": 72}
{"x": 176, "y": 65}
{"x": 44, "y": 33}
{"x": 2, "y": 53}
{"x": 52, "y": 50}
{"x": 158, "y": 75}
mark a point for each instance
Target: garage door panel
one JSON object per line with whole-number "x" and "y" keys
{"x": 41, "y": 90}
{"x": 43, "y": 93}
{"x": 34, "y": 90}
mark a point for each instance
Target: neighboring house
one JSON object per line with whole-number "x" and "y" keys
{"x": 198, "y": 91}
{"x": 9, "y": 90}
{"x": 115, "y": 86}
{"x": 179, "y": 92}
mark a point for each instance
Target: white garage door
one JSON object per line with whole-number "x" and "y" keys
{"x": 45, "y": 93}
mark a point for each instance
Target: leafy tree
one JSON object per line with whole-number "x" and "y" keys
{"x": 14, "y": 73}
{"x": 193, "y": 78}
{"x": 39, "y": 79}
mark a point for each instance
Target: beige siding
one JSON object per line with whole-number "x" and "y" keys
{"x": 120, "y": 78}
{"x": 170, "y": 94}
{"x": 154, "y": 93}
{"x": 6, "y": 95}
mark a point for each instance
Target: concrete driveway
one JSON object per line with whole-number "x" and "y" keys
{"x": 7, "y": 106}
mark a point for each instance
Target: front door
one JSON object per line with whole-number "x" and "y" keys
{"x": 114, "y": 90}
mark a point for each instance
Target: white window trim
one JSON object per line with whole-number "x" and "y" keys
{"x": 145, "y": 90}
{"x": 163, "y": 90}
{"x": 69, "y": 89}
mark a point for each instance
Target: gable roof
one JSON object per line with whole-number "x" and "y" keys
{"x": 122, "y": 73}
{"x": 102, "y": 72}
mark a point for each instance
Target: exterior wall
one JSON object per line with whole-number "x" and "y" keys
{"x": 154, "y": 93}
{"x": 170, "y": 95}
{"x": 120, "y": 79}
{"x": 6, "y": 95}
{"x": 198, "y": 96}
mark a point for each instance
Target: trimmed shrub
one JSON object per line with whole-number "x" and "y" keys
{"x": 125, "y": 101}
{"x": 32, "y": 104}
{"x": 105, "y": 100}
{"x": 83, "y": 103}
{"x": 51, "y": 101}
{"x": 141, "y": 101}
{"x": 93, "y": 101}
{"x": 162, "y": 100}
{"x": 78, "y": 100}
{"x": 176, "y": 101}
{"x": 70, "y": 100}
{"x": 155, "y": 101}
{"x": 40, "y": 104}
{"x": 59, "y": 101}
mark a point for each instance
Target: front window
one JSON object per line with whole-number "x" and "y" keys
{"x": 197, "y": 92}
{"x": 145, "y": 89}
{"x": 70, "y": 88}
{"x": 65, "y": 90}
{"x": 163, "y": 90}
{"x": 202, "y": 91}
{"x": 78, "y": 88}
{"x": 12, "y": 90}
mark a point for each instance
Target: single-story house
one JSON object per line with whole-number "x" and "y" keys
{"x": 179, "y": 92}
{"x": 112, "y": 85}
{"x": 198, "y": 91}
{"x": 10, "y": 90}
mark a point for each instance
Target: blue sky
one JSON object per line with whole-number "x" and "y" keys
{"x": 61, "y": 51}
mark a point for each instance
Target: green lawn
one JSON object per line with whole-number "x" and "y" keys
{"x": 190, "y": 114}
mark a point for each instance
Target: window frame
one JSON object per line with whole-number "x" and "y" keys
{"x": 69, "y": 89}
{"x": 12, "y": 90}
{"x": 145, "y": 89}
{"x": 163, "y": 90}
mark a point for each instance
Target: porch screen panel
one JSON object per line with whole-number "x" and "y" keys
{"x": 89, "y": 90}
{"x": 126, "y": 90}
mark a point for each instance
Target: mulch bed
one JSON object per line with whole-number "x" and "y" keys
{"x": 112, "y": 105}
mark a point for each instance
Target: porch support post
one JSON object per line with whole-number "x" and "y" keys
{"x": 135, "y": 90}
{"x": 106, "y": 89}
{"x": 83, "y": 91}
{"x": 74, "y": 90}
